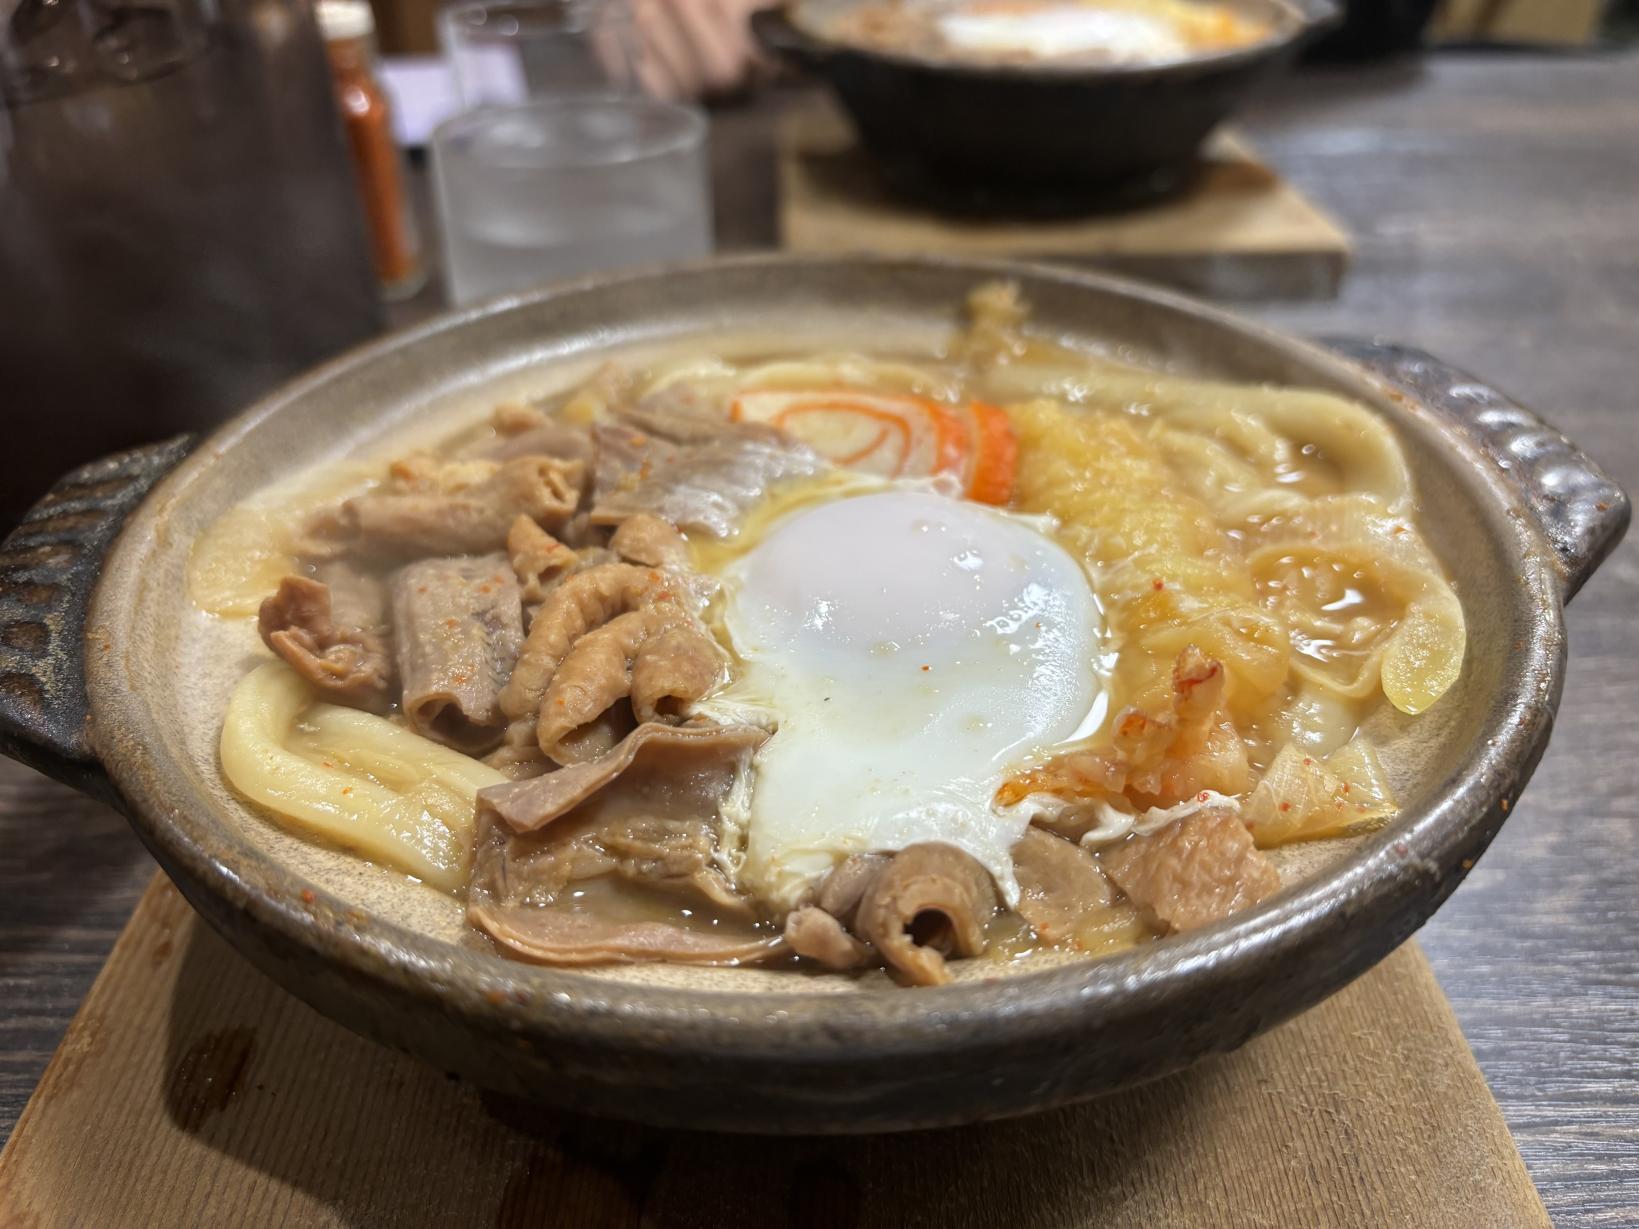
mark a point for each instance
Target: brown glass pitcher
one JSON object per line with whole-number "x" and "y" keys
{"x": 179, "y": 229}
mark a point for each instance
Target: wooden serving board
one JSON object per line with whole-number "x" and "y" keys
{"x": 192, "y": 1091}
{"x": 1240, "y": 231}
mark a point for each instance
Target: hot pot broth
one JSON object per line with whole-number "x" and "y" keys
{"x": 1023, "y": 33}
{"x": 542, "y": 667}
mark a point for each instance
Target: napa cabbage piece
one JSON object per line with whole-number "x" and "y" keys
{"x": 1168, "y": 574}
{"x": 1287, "y": 440}
{"x": 353, "y": 779}
{"x": 1238, "y": 491}
{"x": 1307, "y": 797}
{"x": 242, "y": 557}
{"x": 1365, "y": 599}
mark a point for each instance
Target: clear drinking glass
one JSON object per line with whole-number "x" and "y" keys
{"x": 504, "y": 53}
{"x": 561, "y": 187}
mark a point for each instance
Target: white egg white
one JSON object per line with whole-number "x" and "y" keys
{"x": 1062, "y": 31}
{"x": 910, "y": 651}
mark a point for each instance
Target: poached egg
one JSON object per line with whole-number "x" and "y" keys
{"x": 1062, "y": 31}
{"x": 910, "y": 651}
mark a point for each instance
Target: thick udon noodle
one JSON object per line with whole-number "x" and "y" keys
{"x": 1270, "y": 527}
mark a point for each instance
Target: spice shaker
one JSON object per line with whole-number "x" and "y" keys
{"x": 349, "y": 30}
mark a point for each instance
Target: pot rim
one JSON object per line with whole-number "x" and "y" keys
{"x": 1419, "y": 851}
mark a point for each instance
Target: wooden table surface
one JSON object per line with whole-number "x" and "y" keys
{"x": 1495, "y": 205}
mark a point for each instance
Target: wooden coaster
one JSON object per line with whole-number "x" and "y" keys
{"x": 192, "y": 1091}
{"x": 1240, "y": 231}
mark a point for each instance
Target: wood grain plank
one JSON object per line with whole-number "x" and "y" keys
{"x": 198, "y": 1093}
{"x": 1238, "y": 229}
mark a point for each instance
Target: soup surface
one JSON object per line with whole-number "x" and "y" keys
{"x": 842, "y": 661}
{"x": 1025, "y": 32}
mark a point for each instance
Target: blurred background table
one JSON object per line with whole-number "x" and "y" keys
{"x": 1494, "y": 202}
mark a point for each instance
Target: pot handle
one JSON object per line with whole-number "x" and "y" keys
{"x": 49, "y": 566}
{"x": 1578, "y": 508}
{"x": 783, "y": 37}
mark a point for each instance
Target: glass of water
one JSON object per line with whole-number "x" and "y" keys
{"x": 561, "y": 187}
{"x": 502, "y": 52}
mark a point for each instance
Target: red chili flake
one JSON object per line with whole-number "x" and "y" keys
{"x": 328, "y": 764}
{"x": 1159, "y": 584}
{"x": 1307, "y": 762}
{"x": 307, "y": 896}
{"x": 927, "y": 667}
{"x": 1505, "y": 804}
{"x": 1202, "y": 796}
{"x": 1286, "y": 806}
{"x": 452, "y": 621}
{"x": 347, "y": 789}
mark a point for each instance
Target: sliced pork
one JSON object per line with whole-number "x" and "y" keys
{"x": 456, "y": 508}
{"x": 335, "y": 635}
{"x": 459, "y": 627}
{"x": 699, "y": 473}
{"x": 524, "y": 431}
{"x": 557, "y": 937}
{"x": 1061, "y": 885}
{"x": 812, "y": 932}
{"x": 646, "y": 815}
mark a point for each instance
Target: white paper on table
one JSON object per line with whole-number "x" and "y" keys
{"x": 421, "y": 90}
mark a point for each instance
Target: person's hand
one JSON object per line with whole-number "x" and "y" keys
{"x": 694, "y": 48}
